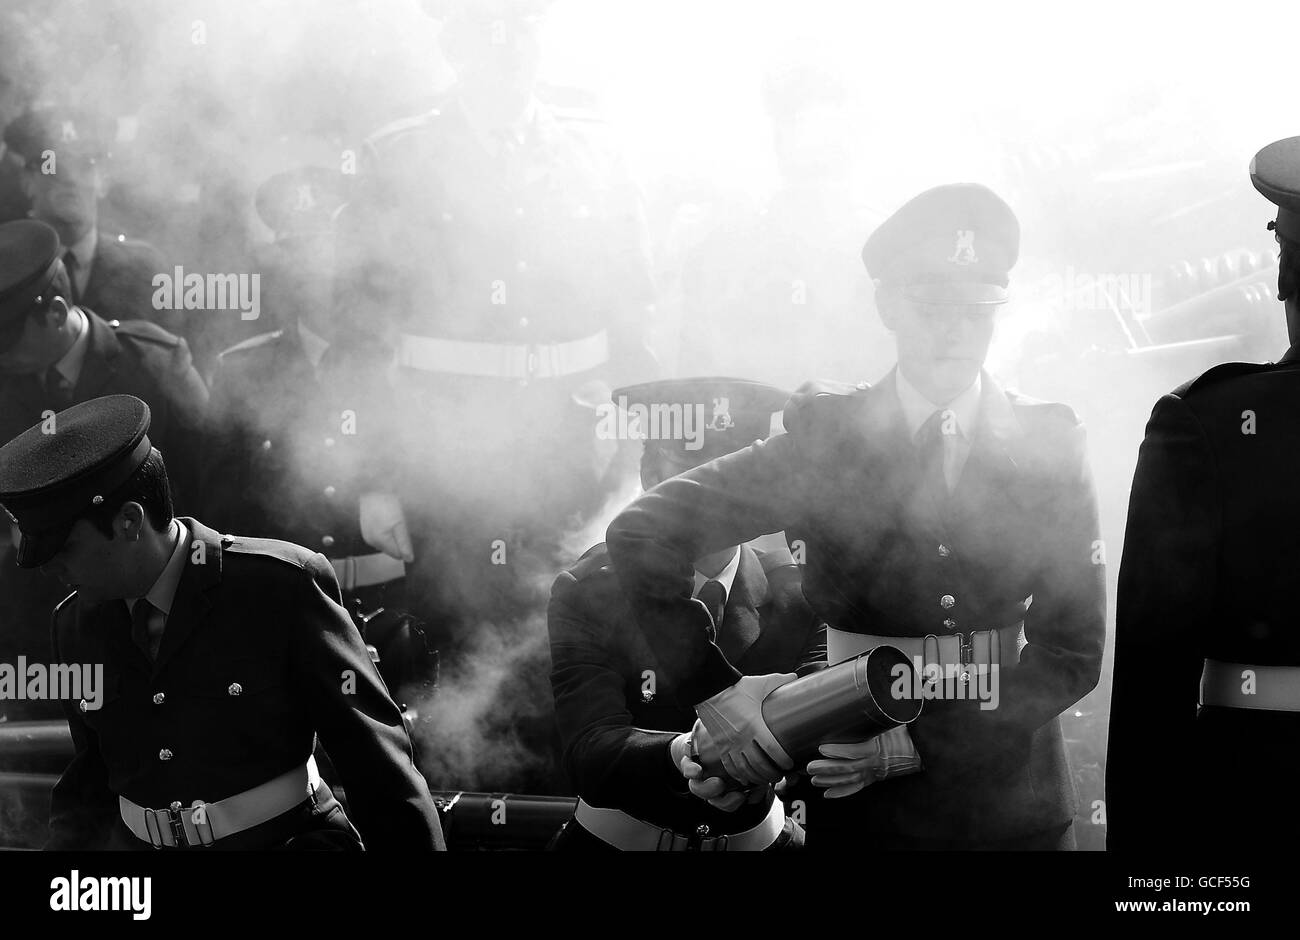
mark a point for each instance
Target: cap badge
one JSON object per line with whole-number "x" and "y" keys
{"x": 722, "y": 419}
{"x": 964, "y": 253}
{"x": 305, "y": 199}
{"x": 68, "y": 131}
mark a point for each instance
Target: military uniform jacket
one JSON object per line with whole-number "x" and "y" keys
{"x": 257, "y": 657}
{"x": 845, "y": 482}
{"x": 121, "y": 282}
{"x": 615, "y": 704}
{"x": 1211, "y": 568}
{"x": 539, "y": 240}
{"x": 127, "y": 357}
{"x": 273, "y": 450}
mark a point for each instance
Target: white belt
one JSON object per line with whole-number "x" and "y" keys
{"x": 977, "y": 647}
{"x": 204, "y": 823}
{"x": 629, "y": 834}
{"x": 359, "y": 571}
{"x": 1274, "y": 688}
{"x": 503, "y": 360}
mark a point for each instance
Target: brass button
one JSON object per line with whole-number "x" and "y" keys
{"x": 327, "y": 541}
{"x": 266, "y": 445}
{"x": 330, "y": 491}
{"x": 329, "y": 442}
{"x": 702, "y": 830}
{"x": 647, "y": 696}
{"x": 83, "y": 706}
{"x": 950, "y": 624}
{"x": 165, "y": 754}
{"x": 234, "y": 689}
{"x": 947, "y": 601}
{"x": 944, "y": 551}
{"x": 159, "y": 698}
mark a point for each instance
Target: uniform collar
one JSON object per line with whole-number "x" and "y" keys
{"x": 84, "y": 249}
{"x": 917, "y": 408}
{"x": 69, "y": 366}
{"x": 726, "y": 577}
{"x": 163, "y": 591}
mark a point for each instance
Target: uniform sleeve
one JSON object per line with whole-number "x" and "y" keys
{"x": 358, "y": 723}
{"x": 1065, "y": 633}
{"x": 653, "y": 543}
{"x": 83, "y": 810}
{"x": 609, "y": 761}
{"x": 1166, "y": 588}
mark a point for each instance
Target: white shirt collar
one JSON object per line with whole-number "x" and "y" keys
{"x": 163, "y": 591}
{"x": 917, "y": 408}
{"x": 83, "y": 249}
{"x": 313, "y": 344}
{"x": 70, "y": 363}
{"x": 726, "y": 577}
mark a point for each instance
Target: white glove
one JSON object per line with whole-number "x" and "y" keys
{"x": 734, "y": 720}
{"x": 713, "y": 790}
{"x": 383, "y": 525}
{"x": 853, "y": 767}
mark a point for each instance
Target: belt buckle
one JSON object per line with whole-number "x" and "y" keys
{"x": 174, "y": 823}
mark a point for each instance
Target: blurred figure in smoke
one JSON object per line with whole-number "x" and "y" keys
{"x": 1207, "y": 592}
{"x": 276, "y": 454}
{"x": 788, "y": 278}
{"x": 625, "y": 735}
{"x": 496, "y": 279}
{"x": 64, "y": 153}
{"x": 941, "y": 515}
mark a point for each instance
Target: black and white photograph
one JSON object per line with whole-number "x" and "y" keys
{"x": 443, "y": 439}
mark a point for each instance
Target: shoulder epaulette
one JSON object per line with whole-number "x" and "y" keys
{"x": 145, "y": 332}
{"x": 253, "y": 342}
{"x": 775, "y": 558}
{"x": 1220, "y": 373}
{"x": 286, "y": 552}
{"x": 1054, "y": 409}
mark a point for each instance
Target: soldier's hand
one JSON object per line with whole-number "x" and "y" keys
{"x": 734, "y": 720}
{"x": 383, "y": 525}
{"x": 853, "y": 767}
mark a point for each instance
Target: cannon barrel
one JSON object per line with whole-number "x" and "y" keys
{"x": 851, "y": 701}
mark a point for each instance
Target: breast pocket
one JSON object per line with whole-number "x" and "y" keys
{"x": 244, "y": 706}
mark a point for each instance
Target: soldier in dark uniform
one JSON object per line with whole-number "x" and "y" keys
{"x": 64, "y": 152}
{"x": 223, "y": 658}
{"x": 53, "y": 354}
{"x": 623, "y": 730}
{"x": 1206, "y": 701}
{"x": 275, "y": 454}
{"x": 498, "y": 247}
{"x": 932, "y": 507}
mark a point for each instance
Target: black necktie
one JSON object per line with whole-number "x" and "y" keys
{"x": 70, "y": 262}
{"x": 929, "y": 444}
{"x": 714, "y": 596}
{"x": 140, "y": 627}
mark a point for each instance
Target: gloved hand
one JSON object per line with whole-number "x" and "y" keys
{"x": 853, "y": 767}
{"x": 734, "y": 721}
{"x": 713, "y": 790}
{"x": 383, "y": 525}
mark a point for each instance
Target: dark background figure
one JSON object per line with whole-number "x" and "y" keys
{"x": 622, "y": 727}
{"x": 1207, "y": 659}
{"x": 222, "y": 660}
{"x": 277, "y": 451}
{"x": 54, "y": 354}
{"x": 934, "y": 504}
{"x": 65, "y": 153}
{"x": 494, "y": 269}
